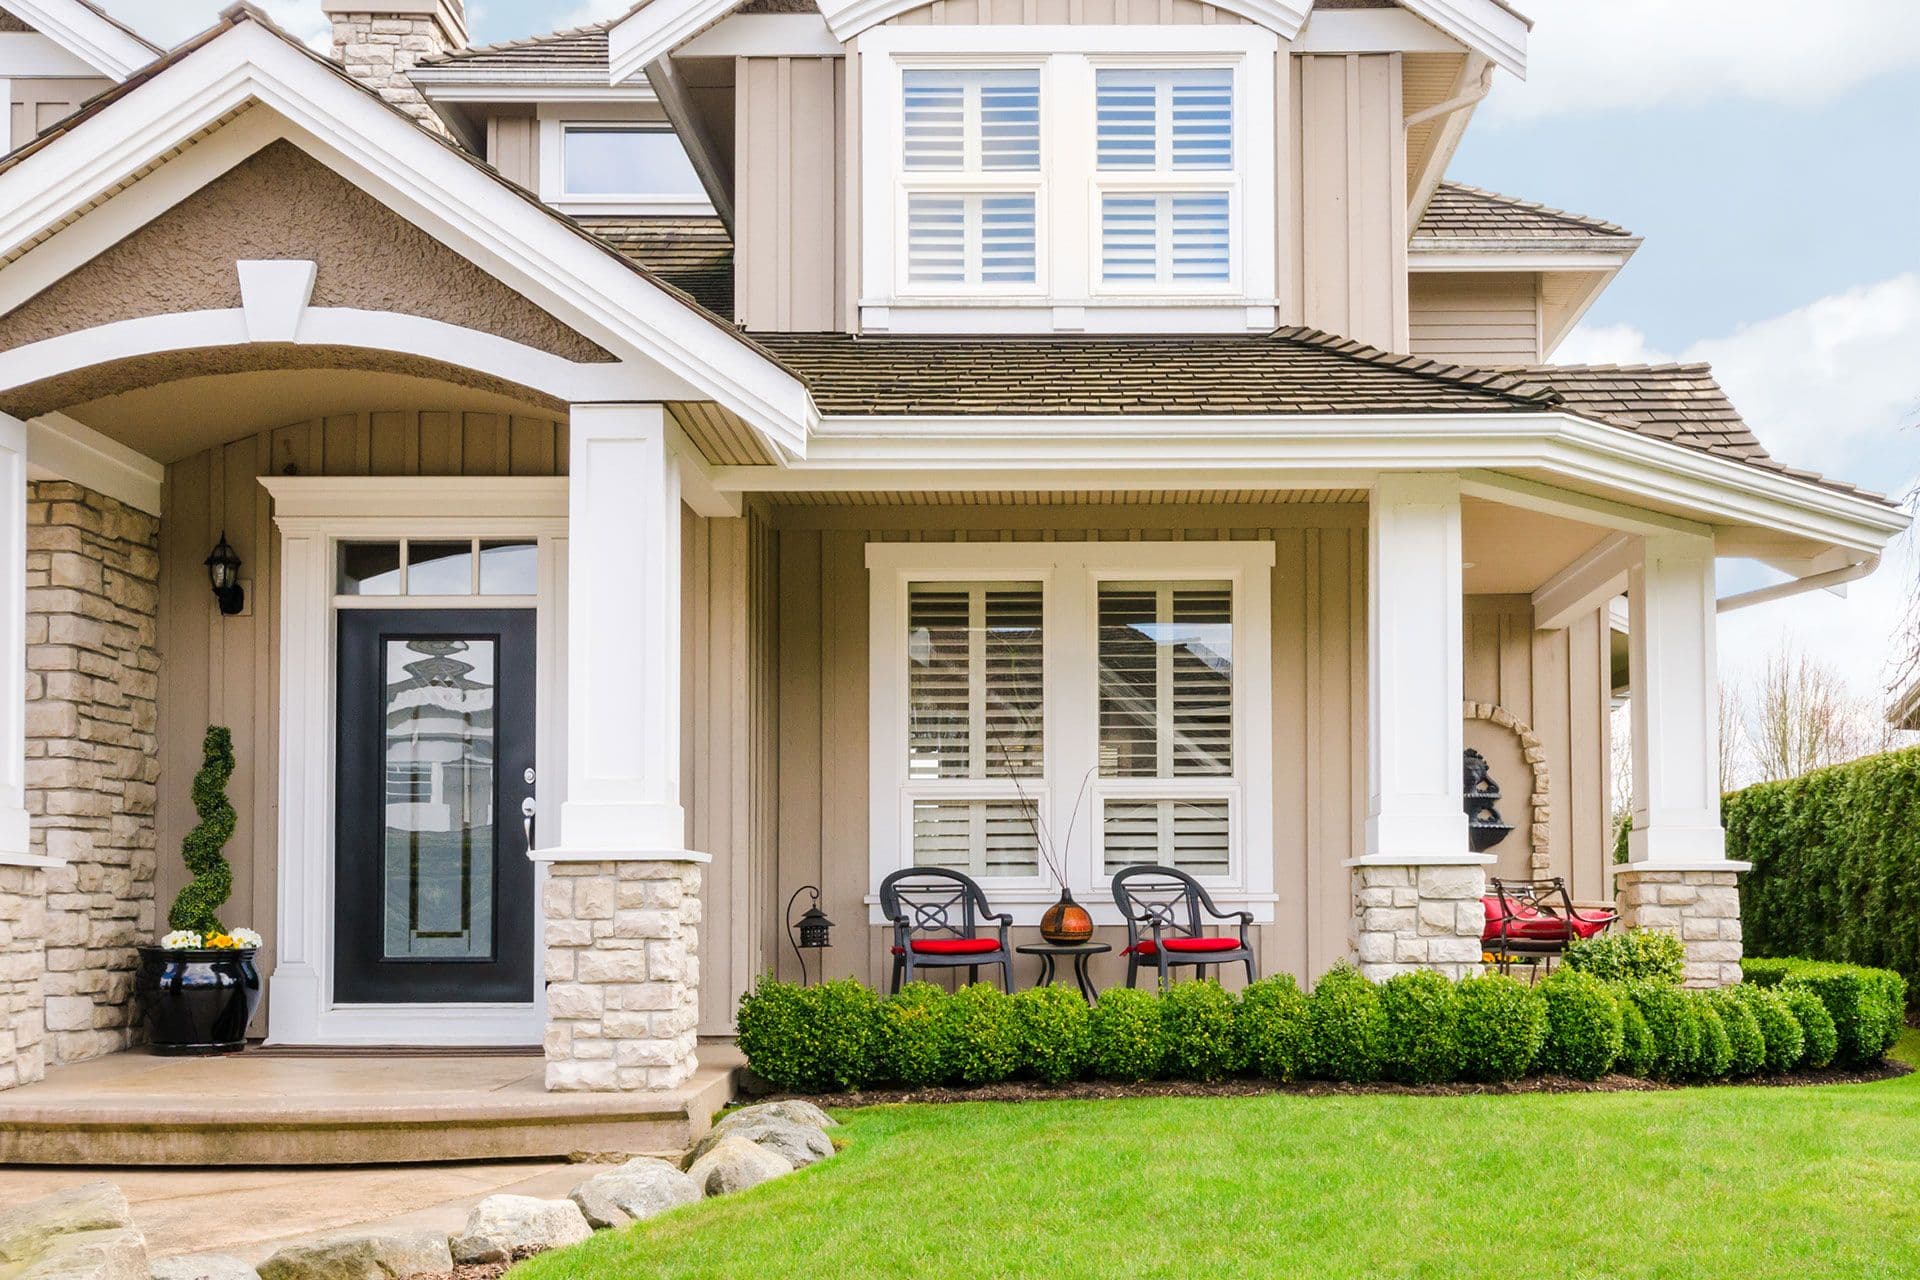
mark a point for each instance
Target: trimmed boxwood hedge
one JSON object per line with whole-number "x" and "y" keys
{"x": 1417, "y": 1028}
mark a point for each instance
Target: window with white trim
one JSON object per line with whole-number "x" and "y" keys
{"x": 970, "y": 177}
{"x": 1110, "y": 699}
{"x": 1164, "y": 176}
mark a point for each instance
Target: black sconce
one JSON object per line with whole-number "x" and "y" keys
{"x": 223, "y": 571}
{"x": 812, "y": 932}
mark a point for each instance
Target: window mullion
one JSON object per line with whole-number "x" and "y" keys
{"x": 1163, "y": 685}
{"x": 977, "y": 682}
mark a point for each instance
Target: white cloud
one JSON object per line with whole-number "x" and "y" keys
{"x": 168, "y": 22}
{"x": 1599, "y": 55}
{"x": 1608, "y": 344}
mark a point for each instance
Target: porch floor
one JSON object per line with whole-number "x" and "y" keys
{"x": 268, "y": 1108}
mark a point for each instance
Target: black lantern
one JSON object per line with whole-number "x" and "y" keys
{"x": 812, "y": 932}
{"x": 223, "y": 571}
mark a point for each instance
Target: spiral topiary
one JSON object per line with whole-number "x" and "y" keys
{"x": 198, "y": 905}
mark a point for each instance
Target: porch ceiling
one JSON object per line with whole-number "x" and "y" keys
{"x": 1510, "y": 551}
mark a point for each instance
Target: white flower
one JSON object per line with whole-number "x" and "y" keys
{"x": 246, "y": 938}
{"x": 182, "y": 940}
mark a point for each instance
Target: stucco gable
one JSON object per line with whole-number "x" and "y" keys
{"x": 282, "y": 203}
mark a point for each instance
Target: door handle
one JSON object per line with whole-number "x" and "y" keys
{"x": 527, "y": 810}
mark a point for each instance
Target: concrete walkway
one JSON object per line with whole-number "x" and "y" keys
{"x": 250, "y": 1213}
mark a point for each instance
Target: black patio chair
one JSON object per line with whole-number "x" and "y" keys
{"x": 1167, "y": 904}
{"x": 949, "y": 905}
{"x": 1535, "y": 920}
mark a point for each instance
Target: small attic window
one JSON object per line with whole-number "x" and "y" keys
{"x": 626, "y": 161}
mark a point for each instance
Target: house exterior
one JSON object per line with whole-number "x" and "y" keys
{"x": 746, "y": 446}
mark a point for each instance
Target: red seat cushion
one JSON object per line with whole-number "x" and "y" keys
{"x": 952, "y": 946}
{"x": 1145, "y": 946}
{"x": 1535, "y": 926}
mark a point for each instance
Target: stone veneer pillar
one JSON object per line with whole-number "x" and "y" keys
{"x": 1703, "y": 907}
{"x": 1418, "y": 917}
{"x": 623, "y": 975}
{"x": 92, "y": 766}
{"x": 23, "y": 927}
{"x": 380, "y": 41}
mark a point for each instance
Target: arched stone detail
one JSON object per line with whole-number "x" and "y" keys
{"x": 1534, "y": 752}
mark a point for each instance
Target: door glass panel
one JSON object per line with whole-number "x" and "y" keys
{"x": 509, "y": 569}
{"x": 439, "y": 840}
{"x": 440, "y": 568}
{"x": 370, "y": 569}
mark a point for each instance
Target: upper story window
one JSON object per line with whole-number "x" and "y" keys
{"x": 620, "y": 165}
{"x": 1106, "y": 173}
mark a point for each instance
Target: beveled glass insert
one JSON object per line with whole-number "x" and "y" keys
{"x": 438, "y": 854}
{"x": 440, "y": 568}
{"x": 509, "y": 569}
{"x": 369, "y": 569}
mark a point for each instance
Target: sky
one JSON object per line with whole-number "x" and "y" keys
{"x": 1768, "y": 152}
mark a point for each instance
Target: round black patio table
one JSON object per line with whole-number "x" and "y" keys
{"x": 1049, "y": 952}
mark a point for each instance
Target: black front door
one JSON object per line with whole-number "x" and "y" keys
{"x": 433, "y": 889}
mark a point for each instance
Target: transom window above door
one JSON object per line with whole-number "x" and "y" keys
{"x": 438, "y": 567}
{"x": 1111, "y": 700}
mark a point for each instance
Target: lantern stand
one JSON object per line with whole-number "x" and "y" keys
{"x": 812, "y": 932}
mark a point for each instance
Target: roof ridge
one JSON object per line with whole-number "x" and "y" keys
{"x": 1664, "y": 366}
{"x": 1534, "y": 206}
{"x": 518, "y": 42}
{"x": 1497, "y": 382}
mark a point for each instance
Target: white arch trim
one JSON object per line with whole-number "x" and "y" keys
{"x": 384, "y": 331}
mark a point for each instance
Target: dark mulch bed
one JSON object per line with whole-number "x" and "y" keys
{"x": 1027, "y": 1091}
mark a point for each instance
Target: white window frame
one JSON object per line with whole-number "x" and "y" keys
{"x": 554, "y": 121}
{"x": 1067, "y": 248}
{"x": 1070, "y": 574}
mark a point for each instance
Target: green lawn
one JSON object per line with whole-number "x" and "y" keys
{"x": 1737, "y": 1182}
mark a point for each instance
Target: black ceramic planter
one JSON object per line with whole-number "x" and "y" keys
{"x": 197, "y": 1001}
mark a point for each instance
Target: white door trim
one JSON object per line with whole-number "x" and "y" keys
{"x": 315, "y": 514}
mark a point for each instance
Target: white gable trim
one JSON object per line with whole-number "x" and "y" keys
{"x": 96, "y": 40}
{"x": 1482, "y": 25}
{"x": 421, "y": 179}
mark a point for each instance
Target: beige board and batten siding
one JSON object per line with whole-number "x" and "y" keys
{"x": 790, "y": 180}
{"x": 225, "y": 670}
{"x": 38, "y": 103}
{"x": 513, "y": 147}
{"x": 1475, "y": 317}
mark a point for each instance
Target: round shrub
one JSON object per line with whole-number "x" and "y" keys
{"x": 811, "y": 1039}
{"x": 1747, "y": 1047}
{"x": 1636, "y": 1041}
{"x": 1716, "y": 1046}
{"x": 983, "y": 1042}
{"x": 1423, "y": 1028}
{"x": 846, "y": 1024}
{"x": 1650, "y": 954}
{"x": 1820, "y": 1041}
{"x": 913, "y": 1036}
{"x": 1780, "y": 1034}
{"x": 1052, "y": 1032}
{"x": 1346, "y": 1029}
{"x": 1672, "y": 1026}
{"x": 1271, "y": 1027}
{"x": 1127, "y": 1040}
{"x": 771, "y": 1029}
{"x": 1583, "y": 1026}
{"x": 1503, "y": 1023}
{"x": 1196, "y": 1020}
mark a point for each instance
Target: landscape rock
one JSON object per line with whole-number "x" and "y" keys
{"x": 800, "y": 1144}
{"x": 502, "y": 1228}
{"x": 82, "y": 1233}
{"x": 202, "y": 1266}
{"x": 793, "y": 1110}
{"x": 362, "y": 1257}
{"x": 636, "y": 1190}
{"x": 734, "y": 1164}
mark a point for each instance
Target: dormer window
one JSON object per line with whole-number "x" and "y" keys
{"x": 615, "y": 159}
{"x": 1078, "y": 178}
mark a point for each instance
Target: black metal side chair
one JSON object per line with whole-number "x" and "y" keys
{"x": 947, "y": 905}
{"x": 1534, "y": 920}
{"x": 1166, "y": 905}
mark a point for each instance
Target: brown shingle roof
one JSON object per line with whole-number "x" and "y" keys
{"x": 1289, "y": 371}
{"x": 575, "y": 47}
{"x": 695, "y": 255}
{"x": 1460, "y": 212}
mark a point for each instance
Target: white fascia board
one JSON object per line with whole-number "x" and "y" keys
{"x": 1372, "y": 31}
{"x": 103, "y": 45}
{"x": 1541, "y": 254}
{"x": 29, "y": 54}
{"x": 848, "y": 18}
{"x": 657, "y": 30}
{"x": 765, "y": 35}
{"x": 1482, "y": 25}
{"x": 423, "y": 179}
{"x": 526, "y": 87}
{"x": 1239, "y": 451}
{"x": 60, "y": 448}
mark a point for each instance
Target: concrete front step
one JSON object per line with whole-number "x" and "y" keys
{"x": 261, "y": 1109}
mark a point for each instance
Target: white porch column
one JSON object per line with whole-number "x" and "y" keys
{"x": 1417, "y": 890}
{"x": 23, "y": 874}
{"x": 1678, "y": 876}
{"x": 622, "y": 895}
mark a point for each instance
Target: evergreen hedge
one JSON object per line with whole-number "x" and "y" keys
{"x": 1417, "y": 1028}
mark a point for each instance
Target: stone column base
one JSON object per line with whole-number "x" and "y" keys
{"x": 1408, "y": 917}
{"x": 23, "y": 927}
{"x": 1702, "y": 907}
{"x": 623, "y": 978}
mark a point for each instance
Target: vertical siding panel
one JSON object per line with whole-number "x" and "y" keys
{"x": 843, "y": 742}
{"x": 1587, "y": 795}
{"x": 1551, "y": 722}
{"x": 531, "y": 447}
{"x": 394, "y": 445}
{"x": 185, "y": 662}
{"x": 800, "y": 735}
{"x": 440, "y": 444}
{"x": 485, "y": 444}
{"x": 1293, "y": 849}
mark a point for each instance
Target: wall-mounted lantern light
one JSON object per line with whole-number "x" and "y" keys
{"x": 223, "y": 571}
{"x": 812, "y": 932}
